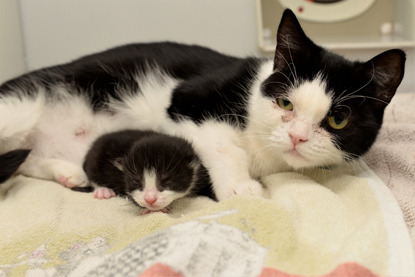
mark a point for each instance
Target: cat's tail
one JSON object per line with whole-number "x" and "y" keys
{"x": 10, "y": 162}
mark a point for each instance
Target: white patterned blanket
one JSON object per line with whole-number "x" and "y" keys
{"x": 339, "y": 222}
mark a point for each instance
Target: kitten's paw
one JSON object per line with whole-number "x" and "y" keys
{"x": 104, "y": 193}
{"x": 70, "y": 175}
{"x": 248, "y": 187}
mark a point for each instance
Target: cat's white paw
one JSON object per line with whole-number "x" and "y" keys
{"x": 247, "y": 187}
{"x": 104, "y": 193}
{"x": 70, "y": 175}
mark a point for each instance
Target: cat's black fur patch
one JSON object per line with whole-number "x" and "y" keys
{"x": 10, "y": 162}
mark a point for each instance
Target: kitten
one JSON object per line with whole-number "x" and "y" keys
{"x": 245, "y": 117}
{"x": 150, "y": 168}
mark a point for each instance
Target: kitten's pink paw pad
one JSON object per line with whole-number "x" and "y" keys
{"x": 104, "y": 193}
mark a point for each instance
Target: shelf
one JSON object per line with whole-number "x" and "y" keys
{"x": 354, "y": 43}
{"x": 360, "y": 32}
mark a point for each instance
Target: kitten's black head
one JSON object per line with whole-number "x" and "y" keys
{"x": 359, "y": 91}
{"x": 172, "y": 159}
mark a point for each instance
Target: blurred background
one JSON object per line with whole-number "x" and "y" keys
{"x": 39, "y": 33}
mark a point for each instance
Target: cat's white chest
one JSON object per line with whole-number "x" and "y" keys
{"x": 263, "y": 159}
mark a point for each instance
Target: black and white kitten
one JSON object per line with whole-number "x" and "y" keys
{"x": 150, "y": 168}
{"x": 246, "y": 117}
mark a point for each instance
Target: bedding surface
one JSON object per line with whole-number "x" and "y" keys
{"x": 392, "y": 157}
{"x": 325, "y": 222}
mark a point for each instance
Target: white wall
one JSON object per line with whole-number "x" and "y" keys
{"x": 57, "y": 31}
{"x": 60, "y": 30}
{"x": 11, "y": 45}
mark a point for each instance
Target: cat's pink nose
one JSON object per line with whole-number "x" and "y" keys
{"x": 297, "y": 139}
{"x": 150, "y": 197}
{"x": 150, "y": 200}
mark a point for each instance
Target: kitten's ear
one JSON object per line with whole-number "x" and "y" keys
{"x": 119, "y": 164}
{"x": 292, "y": 43}
{"x": 195, "y": 163}
{"x": 386, "y": 70}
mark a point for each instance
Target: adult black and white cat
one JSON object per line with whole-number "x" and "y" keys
{"x": 246, "y": 117}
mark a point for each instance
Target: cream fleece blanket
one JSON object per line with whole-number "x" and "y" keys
{"x": 338, "y": 222}
{"x": 392, "y": 157}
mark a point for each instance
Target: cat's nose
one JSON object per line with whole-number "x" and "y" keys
{"x": 299, "y": 130}
{"x": 150, "y": 197}
{"x": 150, "y": 200}
{"x": 297, "y": 138}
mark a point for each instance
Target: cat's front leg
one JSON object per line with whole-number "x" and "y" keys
{"x": 219, "y": 147}
{"x": 64, "y": 172}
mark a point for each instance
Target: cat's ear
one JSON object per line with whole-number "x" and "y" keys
{"x": 292, "y": 43}
{"x": 386, "y": 70}
{"x": 119, "y": 164}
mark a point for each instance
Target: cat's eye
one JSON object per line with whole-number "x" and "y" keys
{"x": 285, "y": 104}
{"x": 166, "y": 185}
{"x": 337, "y": 122}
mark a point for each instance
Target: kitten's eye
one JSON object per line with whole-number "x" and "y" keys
{"x": 337, "y": 122}
{"x": 166, "y": 184}
{"x": 134, "y": 183}
{"x": 285, "y": 104}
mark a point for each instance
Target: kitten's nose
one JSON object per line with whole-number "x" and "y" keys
{"x": 150, "y": 197}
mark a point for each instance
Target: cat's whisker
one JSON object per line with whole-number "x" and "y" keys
{"x": 346, "y": 107}
{"x": 289, "y": 66}
{"x": 261, "y": 149}
{"x": 340, "y": 96}
{"x": 279, "y": 83}
{"x": 349, "y": 157}
{"x": 292, "y": 70}
{"x": 351, "y": 94}
{"x": 366, "y": 97}
{"x": 291, "y": 82}
{"x": 255, "y": 134}
{"x": 257, "y": 137}
{"x": 287, "y": 42}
